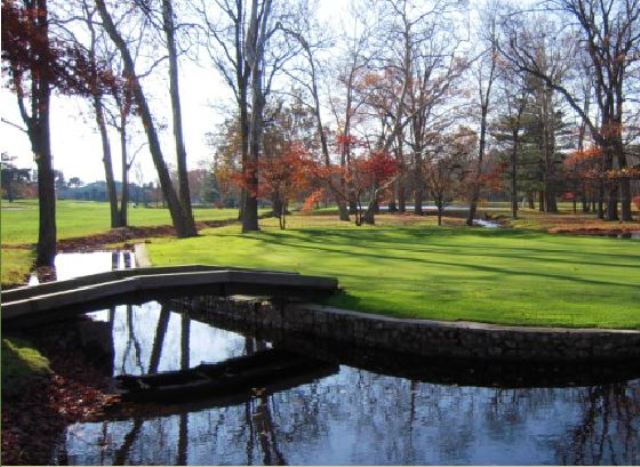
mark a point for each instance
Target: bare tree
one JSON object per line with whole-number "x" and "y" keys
{"x": 485, "y": 74}
{"x": 169, "y": 28}
{"x": 609, "y": 32}
{"x": 446, "y": 168}
{"x": 97, "y": 101}
{"x": 226, "y": 39}
{"x": 183, "y": 223}
{"x": 306, "y": 32}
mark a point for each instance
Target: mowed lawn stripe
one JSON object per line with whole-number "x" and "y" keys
{"x": 496, "y": 276}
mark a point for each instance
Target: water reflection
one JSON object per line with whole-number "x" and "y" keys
{"x": 71, "y": 265}
{"x": 352, "y": 417}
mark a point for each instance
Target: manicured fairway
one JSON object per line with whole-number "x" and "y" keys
{"x": 498, "y": 276}
{"x": 78, "y": 218}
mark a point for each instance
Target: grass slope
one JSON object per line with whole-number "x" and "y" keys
{"x": 21, "y": 366}
{"x": 497, "y": 276}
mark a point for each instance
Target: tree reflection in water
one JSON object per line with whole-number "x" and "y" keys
{"x": 608, "y": 432}
{"x": 356, "y": 416}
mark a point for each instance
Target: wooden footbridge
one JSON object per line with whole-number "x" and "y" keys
{"x": 58, "y": 300}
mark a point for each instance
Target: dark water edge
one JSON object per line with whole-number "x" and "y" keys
{"x": 375, "y": 410}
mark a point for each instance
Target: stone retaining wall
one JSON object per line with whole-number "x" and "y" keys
{"x": 424, "y": 337}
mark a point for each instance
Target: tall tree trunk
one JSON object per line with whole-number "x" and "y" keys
{"x": 611, "y": 187}
{"x": 107, "y": 161}
{"x": 550, "y": 199}
{"x": 514, "y": 172}
{"x": 624, "y": 185}
{"x": 41, "y": 145}
{"x": 531, "y": 202}
{"x": 124, "y": 198}
{"x": 402, "y": 195}
{"x": 418, "y": 198}
{"x": 98, "y": 109}
{"x": 183, "y": 223}
{"x": 40, "y": 136}
{"x": 475, "y": 195}
{"x": 601, "y": 198}
{"x": 256, "y": 43}
{"x": 174, "y": 89}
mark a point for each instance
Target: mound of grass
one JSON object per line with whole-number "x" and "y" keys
{"x": 22, "y": 365}
{"x": 451, "y": 273}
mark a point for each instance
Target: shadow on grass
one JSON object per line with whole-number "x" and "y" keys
{"x": 368, "y": 237}
{"x": 281, "y": 240}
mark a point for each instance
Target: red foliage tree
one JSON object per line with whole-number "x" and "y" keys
{"x": 35, "y": 64}
{"x": 283, "y": 177}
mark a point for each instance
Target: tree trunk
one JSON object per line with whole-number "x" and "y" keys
{"x": 550, "y": 203}
{"x": 38, "y": 130}
{"x": 183, "y": 223}
{"x": 601, "y": 199}
{"x": 98, "y": 109}
{"x": 174, "y": 90}
{"x": 531, "y": 200}
{"x": 107, "y": 161}
{"x": 418, "y": 198}
{"x": 402, "y": 195}
{"x": 353, "y": 205}
{"x": 624, "y": 184}
{"x": 124, "y": 201}
{"x": 612, "y": 202}
{"x": 541, "y": 198}
{"x": 256, "y": 42}
{"x": 41, "y": 145}
{"x": 514, "y": 175}
{"x": 475, "y": 195}
{"x": 369, "y": 216}
{"x": 343, "y": 210}
{"x": 583, "y": 199}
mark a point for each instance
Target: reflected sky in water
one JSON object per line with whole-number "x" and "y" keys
{"x": 353, "y": 417}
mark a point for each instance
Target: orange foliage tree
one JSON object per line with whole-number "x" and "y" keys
{"x": 284, "y": 176}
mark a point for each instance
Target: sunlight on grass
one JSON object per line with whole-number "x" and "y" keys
{"x": 79, "y": 218}
{"x": 451, "y": 273}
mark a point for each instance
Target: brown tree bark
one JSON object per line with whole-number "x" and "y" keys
{"x": 38, "y": 130}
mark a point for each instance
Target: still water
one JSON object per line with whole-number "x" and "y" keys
{"x": 352, "y": 416}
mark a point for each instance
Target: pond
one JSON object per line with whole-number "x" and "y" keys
{"x": 352, "y": 416}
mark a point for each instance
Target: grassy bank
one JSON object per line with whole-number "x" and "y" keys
{"x": 16, "y": 264}
{"x": 74, "y": 219}
{"x": 22, "y": 365}
{"x": 416, "y": 269}
{"x": 79, "y": 218}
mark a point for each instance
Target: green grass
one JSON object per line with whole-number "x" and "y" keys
{"x": 496, "y": 276}
{"x": 21, "y": 366}
{"x": 15, "y": 265}
{"x": 79, "y": 218}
